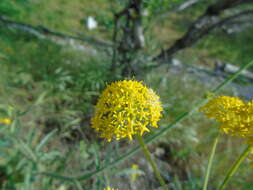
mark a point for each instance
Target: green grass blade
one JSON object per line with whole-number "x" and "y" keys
{"x": 234, "y": 167}
{"x": 232, "y": 77}
{"x": 52, "y": 175}
{"x": 210, "y": 162}
{"x": 45, "y": 140}
{"x": 78, "y": 185}
{"x": 27, "y": 151}
{"x": 28, "y": 177}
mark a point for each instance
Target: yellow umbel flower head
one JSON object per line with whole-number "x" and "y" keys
{"x": 109, "y": 188}
{"x": 234, "y": 115}
{"x": 126, "y": 108}
{"x": 5, "y": 121}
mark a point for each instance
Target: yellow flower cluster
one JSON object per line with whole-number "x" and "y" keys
{"x": 126, "y": 108}
{"x": 234, "y": 115}
{"x": 5, "y": 121}
{"x": 109, "y": 188}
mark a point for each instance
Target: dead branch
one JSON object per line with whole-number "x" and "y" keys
{"x": 204, "y": 24}
{"x": 42, "y": 32}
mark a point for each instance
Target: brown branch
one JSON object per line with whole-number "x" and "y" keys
{"x": 42, "y": 32}
{"x": 220, "y": 6}
{"x": 203, "y": 26}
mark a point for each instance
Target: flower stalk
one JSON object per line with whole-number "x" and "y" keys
{"x": 210, "y": 162}
{"x": 152, "y": 163}
{"x": 234, "y": 167}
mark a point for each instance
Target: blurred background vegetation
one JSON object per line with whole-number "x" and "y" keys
{"x": 54, "y": 64}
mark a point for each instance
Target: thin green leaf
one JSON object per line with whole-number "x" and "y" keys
{"x": 210, "y": 162}
{"x": 45, "y": 140}
{"x": 78, "y": 185}
{"x": 27, "y": 151}
{"x": 28, "y": 176}
{"x": 40, "y": 99}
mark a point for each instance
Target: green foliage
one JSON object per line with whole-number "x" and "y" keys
{"x": 22, "y": 159}
{"x": 8, "y": 7}
{"x": 160, "y": 6}
{"x": 231, "y": 48}
{"x": 49, "y": 91}
{"x": 11, "y": 7}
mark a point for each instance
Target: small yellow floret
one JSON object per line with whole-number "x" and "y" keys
{"x": 126, "y": 108}
{"x": 5, "y": 121}
{"x": 134, "y": 175}
{"x": 109, "y": 188}
{"x": 234, "y": 115}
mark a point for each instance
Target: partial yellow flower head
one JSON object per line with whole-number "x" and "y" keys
{"x": 109, "y": 188}
{"x": 134, "y": 175}
{"x": 234, "y": 115}
{"x": 5, "y": 121}
{"x": 126, "y": 108}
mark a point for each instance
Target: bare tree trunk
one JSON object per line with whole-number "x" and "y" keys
{"x": 128, "y": 38}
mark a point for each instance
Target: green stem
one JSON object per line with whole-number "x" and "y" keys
{"x": 153, "y": 164}
{"x": 210, "y": 162}
{"x": 234, "y": 167}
